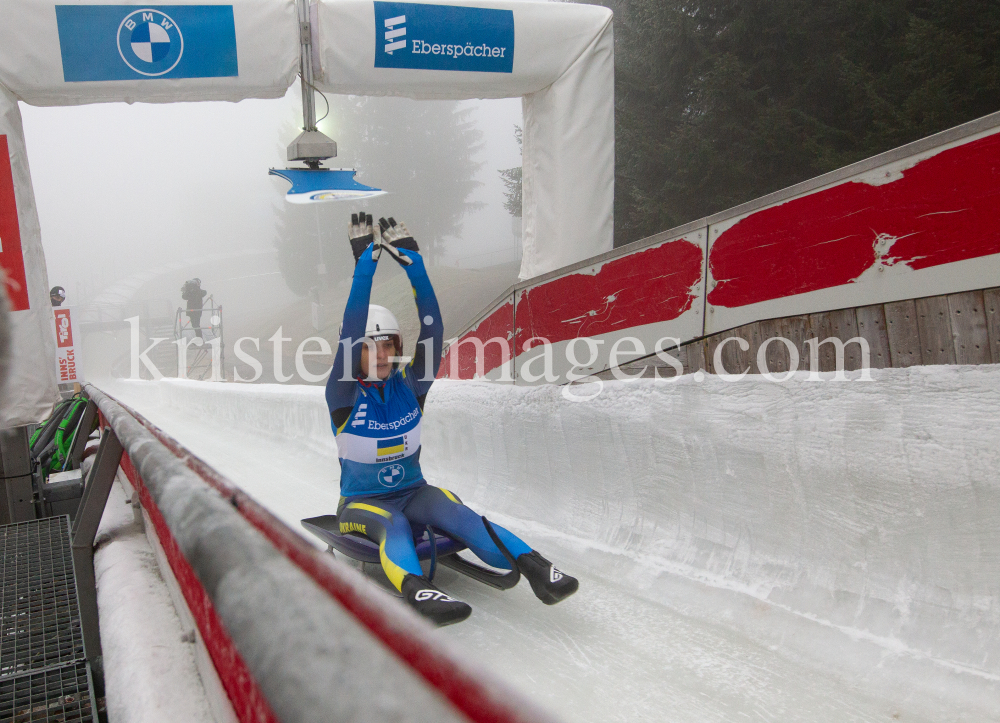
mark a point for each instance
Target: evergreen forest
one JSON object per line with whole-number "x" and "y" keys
{"x": 719, "y": 102}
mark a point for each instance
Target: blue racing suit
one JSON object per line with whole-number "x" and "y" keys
{"x": 377, "y": 425}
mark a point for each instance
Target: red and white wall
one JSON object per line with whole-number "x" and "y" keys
{"x": 917, "y": 221}
{"x": 922, "y": 225}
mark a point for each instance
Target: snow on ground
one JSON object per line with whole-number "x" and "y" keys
{"x": 149, "y": 658}
{"x": 805, "y": 551}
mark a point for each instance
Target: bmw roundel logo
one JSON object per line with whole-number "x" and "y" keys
{"x": 150, "y": 42}
{"x": 391, "y": 475}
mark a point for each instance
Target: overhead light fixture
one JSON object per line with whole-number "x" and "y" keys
{"x": 314, "y": 183}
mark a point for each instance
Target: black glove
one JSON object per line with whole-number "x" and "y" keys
{"x": 397, "y": 236}
{"x": 361, "y": 232}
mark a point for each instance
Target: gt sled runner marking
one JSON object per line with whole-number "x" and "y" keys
{"x": 433, "y": 595}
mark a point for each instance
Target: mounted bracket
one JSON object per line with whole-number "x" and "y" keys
{"x": 312, "y": 147}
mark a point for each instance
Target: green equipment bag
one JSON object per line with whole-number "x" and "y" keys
{"x": 42, "y": 437}
{"x": 52, "y": 441}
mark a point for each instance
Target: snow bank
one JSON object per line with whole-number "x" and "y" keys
{"x": 284, "y": 411}
{"x": 149, "y": 657}
{"x": 868, "y": 507}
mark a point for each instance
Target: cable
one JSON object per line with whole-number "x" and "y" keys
{"x": 325, "y": 101}
{"x": 322, "y": 94}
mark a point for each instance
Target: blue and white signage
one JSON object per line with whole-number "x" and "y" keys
{"x": 443, "y": 37}
{"x": 324, "y": 184}
{"x": 125, "y": 42}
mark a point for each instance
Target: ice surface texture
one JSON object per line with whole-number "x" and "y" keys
{"x": 869, "y": 505}
{"x": 812, "y": 550}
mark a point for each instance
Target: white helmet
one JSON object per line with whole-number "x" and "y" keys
{"x": 381, "y": 323}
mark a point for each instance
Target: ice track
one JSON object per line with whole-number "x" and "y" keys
{"x": 805, "y": 551}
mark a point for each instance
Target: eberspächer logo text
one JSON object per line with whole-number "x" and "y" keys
{"x": 443, "y": 37}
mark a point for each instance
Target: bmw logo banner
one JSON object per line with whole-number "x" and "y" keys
{"x": 391, "y": 475}
{"x": 129, "y": 42}
{"x": 443, "y": 37}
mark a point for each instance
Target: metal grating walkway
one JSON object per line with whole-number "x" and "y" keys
{"x": 44, "y": 675}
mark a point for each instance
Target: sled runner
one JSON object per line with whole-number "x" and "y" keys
{"x": 430, "y": 545}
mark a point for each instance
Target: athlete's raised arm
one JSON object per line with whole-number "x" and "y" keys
{"x": 427, "y": 357}
{"x": 401, "y": 245}
{"x": 341, "y": 386}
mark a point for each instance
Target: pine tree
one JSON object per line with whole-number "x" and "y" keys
{"x": 423, "y": 153}
{"x": 719, "y": 102}
{"x": 511, "y": 178}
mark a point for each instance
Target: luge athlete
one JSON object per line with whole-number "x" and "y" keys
{"x": 376, "y": 409}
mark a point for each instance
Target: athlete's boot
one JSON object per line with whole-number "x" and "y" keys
{"x": 436, "y": 606}
{"x": 549, "y": 584}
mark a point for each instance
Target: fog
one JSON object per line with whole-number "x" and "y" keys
{"x": 123, "y": 188}
{"x": 134, "y": 199}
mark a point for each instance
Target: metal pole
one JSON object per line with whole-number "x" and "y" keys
{"x": 306, "y": 68}
{"x": 82, "y": 435}
{"x": 88, "y": 518}
{"x": 311, "y": 147}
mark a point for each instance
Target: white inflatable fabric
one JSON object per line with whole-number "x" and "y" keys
{"x": 31, "y": 384}
{"x": 53, "y": 54}
{"x": 560, "y": 60}
{"x": 558, "y": 57}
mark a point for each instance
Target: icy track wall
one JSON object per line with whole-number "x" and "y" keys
{"x": 919, "y": 221}
{"x": 868, "y": 507}
{"x": 332, "y": 648}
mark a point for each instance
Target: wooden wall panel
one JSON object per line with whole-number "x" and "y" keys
{"x": 710, "y": 343}
{"x": 776, "y": 353}
{"x": 962, "y": 328}
{"x": 840, "y": 324}
{"x": 968, "y": 327}
{"x": 696, "y": 360}
{"x": 871, "y": 325}
{"x": 934, "y": 326}
{"x": 904, "y": 338}
{"x": 756, "y": 337}
{"x": 734, "y": 359}
{"x": 797, "y": 329}
{"x": 991, "y": 305}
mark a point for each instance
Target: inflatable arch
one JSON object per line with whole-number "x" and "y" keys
{"x": 559, "y": 58}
